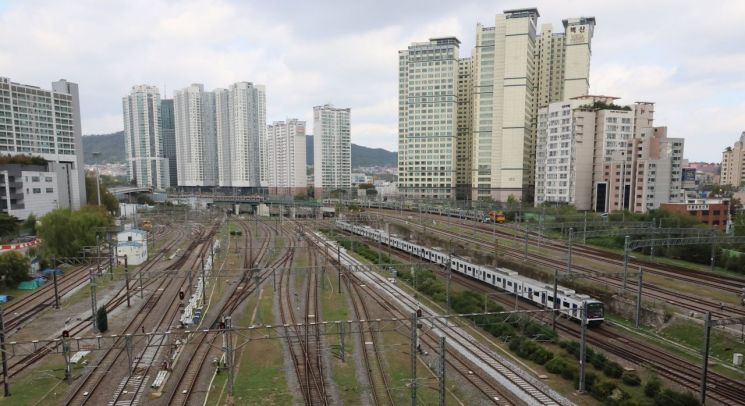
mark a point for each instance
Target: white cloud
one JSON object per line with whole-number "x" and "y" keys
{"x": 686, "y": 56}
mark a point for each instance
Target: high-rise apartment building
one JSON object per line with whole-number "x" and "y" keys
{"x": 428, "y": 112}
{"x": 332, "y": 155}
{"x": 46, "y": 123}
{"x": 464, "y": 148}
{"x": 240, "y": 127}
{"x": 286, "y": 157}
{"x": 168, "y": 133}
{"x": 196, "y": 140}
{"x": 733, "y": 164}
{"x": 599, "y": 156}
{"x": 146, "y": 161}
{"x": 515, "y": 72}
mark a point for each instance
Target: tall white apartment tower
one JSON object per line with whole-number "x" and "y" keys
{"x": 517, "y": 71}
{"x": 46, "y": 123}
{"x": 240, "y": 128}
{"x": 146, "y": 161}
{"x": 427, "y": 123}
{"x": 286, "y": 157}
{"x": 332, "y": 156}
{"x": 503, "y": 75}
{"x": 196, "y": 141}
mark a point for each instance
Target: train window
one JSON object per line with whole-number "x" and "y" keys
{"x": 535, "y": 293}
{"x": 509, "y": 283}
{"x": 499, "y": 279}
{"x": 550, "y": 298}
{"x": 566, "y": 304}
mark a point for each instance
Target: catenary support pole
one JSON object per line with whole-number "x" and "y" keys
{"x": 413, "y": 351}
{"x": 126, "y": 278}
{"x": 639, "y": 297}
{"x": 341, "y": 342}
{"x": 338, "y": 268}
{"x": 569, "y": 251}
{"x": 94, "y": 307}
{"x": 705, "y": 366}
{"x": 553, "y": 300}
{"x": 583, "y": 349}
{"x": 204, "y": 285}
{"x": 54, "y": 276}
{"x": 442, "y": 371}
{"x": 526, "y": 242}
{"x": 626, "y": 242}
{"x": 6, "y": 385}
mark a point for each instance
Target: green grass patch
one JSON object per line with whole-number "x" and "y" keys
{"x": 44, "y": 385}
{"x": 722, "y": 345}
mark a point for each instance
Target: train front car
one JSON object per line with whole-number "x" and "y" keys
{"x": 595, "y": 313}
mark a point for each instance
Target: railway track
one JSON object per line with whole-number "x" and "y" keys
{"x": 16, "y": 366}
{"x": 651, "y": 291}
{"x": 723, "y": 282}
{"x": 304, "y": 344}
{"x": 459, "y": 343}
{"x": 182, "y": 391}
{"x": 108, "y": 365}
{"x": 674, "y": 368}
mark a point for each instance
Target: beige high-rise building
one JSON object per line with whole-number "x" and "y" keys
{"x": 516, "y": 72}
{"x": 733, "y": 164}
{"x": 599, "y": 156}
{"x": 427, "y": 117}
{"x": 464, "y": 147}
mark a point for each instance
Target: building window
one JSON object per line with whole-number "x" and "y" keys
{"x": 37, "y": 190}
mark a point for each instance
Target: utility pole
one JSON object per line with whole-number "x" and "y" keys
{"x": 569, "y": 251}
{"x": 584, "y": 230}
{"x": 341, "y": 342}
{"x": 6, "y": 386}
{"x": 705, "y": 366}
{"x": 66, "y": 356}
{"x": 626, "y": 242}
{"x": 639, "y": 298}
{"x": 413, "y": 358}
{"x": 526, "y": 242}
{"x": 54, "y": 276}
{"x": 450, "y": 261}
{"x": 553, "y": 301}
{"x": 713, "y": 255}
{"x": 338, "y": 268}
{"x": 204, "y": 286}
{"x": 126, "y": 278}
{"x": 93, "y": 300}
{"x": 442, "y": 371}
{"x": 582, "y": 349}
{"x": 229, "y": 355}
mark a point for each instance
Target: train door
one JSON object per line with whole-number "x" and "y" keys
{"x": 543, "y": 298}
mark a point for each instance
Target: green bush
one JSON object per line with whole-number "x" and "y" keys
{"x": 598, "y": 361}
{"x": 602, "y": 389}
{"x": 613, "y": 370}
{"x": 669, "y": 397}
{"x": 102, "y": 319}
{"x": 652, "y": 388}
{"x": 556, "y": 365}
{"x": 631, "y": 378}
{"x": 570, "y": 372}
{"x": 541, "y": 356}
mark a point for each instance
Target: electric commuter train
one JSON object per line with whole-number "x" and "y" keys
{"x": 569, "y": 302}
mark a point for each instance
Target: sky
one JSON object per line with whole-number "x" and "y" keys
{"x": 687, "y": 57}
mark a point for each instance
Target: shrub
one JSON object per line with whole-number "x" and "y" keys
{"x": 541, "y": 356}
{"x": 669, "y": 397}
{"x": 556, "y": 365}
{"x": 569, "y": 372}
{"x": 652, "y": 388}
{"x": 613, "y": 370}
{"x": 598, "y": 361}
{"x": 102, "y": 319}
{"x": 515, "y": 343}
{"x": 631, "y": 378}
{"x": 602, "y": 389}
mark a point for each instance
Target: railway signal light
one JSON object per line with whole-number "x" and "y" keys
{"x": 418, "y": 312}
{"x": 181, "y": 295}
{"x": 222, "y": 325}
{"x": 65, "y": 334}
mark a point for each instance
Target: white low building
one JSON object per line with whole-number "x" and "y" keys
{"x": 132, "y": 243}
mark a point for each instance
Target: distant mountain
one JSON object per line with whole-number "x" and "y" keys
{"x": 110, "y": 149}
{"x": 361, "y": 156}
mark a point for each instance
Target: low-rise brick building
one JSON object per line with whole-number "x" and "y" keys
{"x": 714, "y": 212}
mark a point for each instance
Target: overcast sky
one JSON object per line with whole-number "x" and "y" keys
{"x": 687, "y": 57}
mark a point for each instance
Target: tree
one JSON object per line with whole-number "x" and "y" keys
{"x": 30, "y": 224}
{"x": 108, "y": 200}
{"x": 8, "y": 225}
{"x": 14, "y": 268}
{"x": 102, "y": 319}
{"x": 66, "y": 232}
